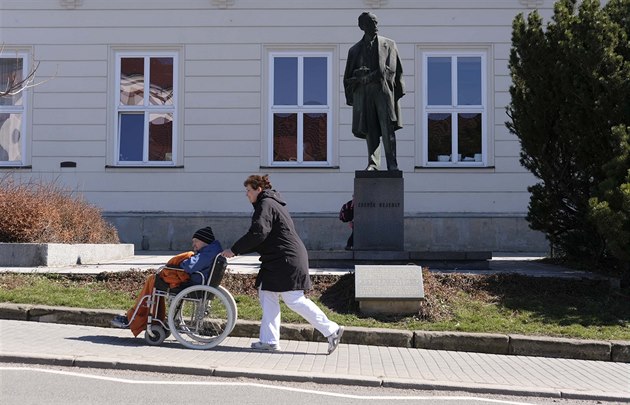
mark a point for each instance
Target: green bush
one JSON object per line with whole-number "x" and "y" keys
{"x": 570, "y": 106}
{"x": 39, "y": 212}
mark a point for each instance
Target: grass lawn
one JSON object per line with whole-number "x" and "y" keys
{"x": 499, "y": 303}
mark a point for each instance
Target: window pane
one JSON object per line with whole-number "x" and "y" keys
{"x": 285, "y": 81}
{"x": 439, "y": 81}
{"x": 315, "y": 81}
{"x": 440, "y": 140}
{"x": 285, "y": 137}
{"x": 315, "y": 131}
{"x": 469, "y": 81}
{"x": 161, "y": 137}
{"x": 469, "y": 136}
{"x": 131, "y": 137}
{"x": 161, "y": 72}
{"x": 132, "y": 81}
{"x": 10, "y": 137}
{"x": 10, "y": 75}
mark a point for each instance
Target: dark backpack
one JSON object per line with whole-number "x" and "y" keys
{"x": 347, "y": 212}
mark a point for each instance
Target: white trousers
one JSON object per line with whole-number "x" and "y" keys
{"x": 297, "y": 302}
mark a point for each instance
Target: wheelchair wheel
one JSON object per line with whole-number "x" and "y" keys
{"x": 159, "y": 334}
{"x": 201, "y": 317}
{"x": 232, "y": 303}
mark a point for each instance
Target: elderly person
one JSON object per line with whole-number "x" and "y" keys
{"x": 200, "y": 260}
{"x": 373, "y": 86}
{"x": 284, "y": 268}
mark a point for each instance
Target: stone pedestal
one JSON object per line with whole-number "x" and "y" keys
{"x": 393, "y": 290}
{"x": 379, "y": 211}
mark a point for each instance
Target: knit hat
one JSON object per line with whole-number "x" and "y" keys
{"x": 204, "y": 235}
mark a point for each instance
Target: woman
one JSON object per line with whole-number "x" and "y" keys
{"x": 283, "y": 269}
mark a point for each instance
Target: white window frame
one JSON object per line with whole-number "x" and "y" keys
{"x": 147, "y": 108}
{"x": 300, "y": 108}
{"x": 454, "y": 109}
{"x": 19, "y": 109}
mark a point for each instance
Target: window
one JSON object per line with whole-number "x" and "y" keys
{"x": 454, "y": 113}
{"x": 13, "y": 69}
{"x": 146, "y": 108}
{"x": 300, "y": 121}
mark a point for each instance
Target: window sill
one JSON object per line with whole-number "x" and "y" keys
{"x": 454, "y": 167}
{"x": 300, "y": 167}
{"x": 142, "y": 167}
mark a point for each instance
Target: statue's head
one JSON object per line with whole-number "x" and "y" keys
{"x": 368, "y": 22}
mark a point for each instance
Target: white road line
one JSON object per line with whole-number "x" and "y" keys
{"x": 300, "y": 390}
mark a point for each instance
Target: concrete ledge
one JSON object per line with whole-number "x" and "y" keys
{"x": 560, "y": 347}
{"x": 493, "y": 343}
{"x": 620, "y": 351}
{"x": 61, "y": 254}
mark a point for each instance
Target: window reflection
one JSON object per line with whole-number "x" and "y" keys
{"x": 315, "y": 83}
{"x": 469, "y": 136}
{"x": 161, "y": 86}
{"x": 285, "y": 137}
{"x": 469, "y": 81}
{"x": 132, "y": 81}
{"x": 440, "y": 142}
{"x": 10, "y": 137}
{"x": 11, "y": 73}
{"x": 131, "y": 137}
{"x": 285, "y": 81}
{"x": 439, "y": 81}
{"x": 315, "y": 129}
{"x": 161, "y": 137}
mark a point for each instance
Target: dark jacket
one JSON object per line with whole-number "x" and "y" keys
{"x": 391, "y": 80}
{"x": 284, "y": 260}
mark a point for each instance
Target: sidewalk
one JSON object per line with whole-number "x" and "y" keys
{"x": 351, "y": 364}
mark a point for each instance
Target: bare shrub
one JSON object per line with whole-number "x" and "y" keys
{"x": 39, "y": 212}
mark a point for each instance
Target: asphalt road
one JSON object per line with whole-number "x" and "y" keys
{"x": 23, "y": 385}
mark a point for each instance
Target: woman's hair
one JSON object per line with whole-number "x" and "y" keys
{"x": 255, "y": 181}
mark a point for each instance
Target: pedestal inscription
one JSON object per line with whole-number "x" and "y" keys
{"x": 388, "y": 289}
{"x": 379, "y": 210}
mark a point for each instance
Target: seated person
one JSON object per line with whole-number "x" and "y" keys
{"x": 201, "y": 259}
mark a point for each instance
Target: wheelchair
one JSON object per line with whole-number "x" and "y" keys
{"x": 199, "y": 316}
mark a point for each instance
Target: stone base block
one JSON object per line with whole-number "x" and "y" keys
{"x": 397, "y": 307}
{"x": 61, "y": 254}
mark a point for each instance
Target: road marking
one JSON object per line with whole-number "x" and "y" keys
{"x": 257, "y": 385}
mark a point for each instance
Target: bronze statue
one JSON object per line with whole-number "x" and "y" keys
{"x": 373, "y": 86}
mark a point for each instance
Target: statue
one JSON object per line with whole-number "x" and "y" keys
{"x": 373, "y": 86}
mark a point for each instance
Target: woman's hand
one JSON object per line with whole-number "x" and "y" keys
{"x": 227, "y": 253}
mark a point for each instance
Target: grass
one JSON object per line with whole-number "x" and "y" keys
{"x": 493, "y": 304}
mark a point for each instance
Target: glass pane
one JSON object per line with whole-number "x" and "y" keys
{"x": 440, "y": 137}
{"x": 131, "y": 137}
{"x": 469, "y": 80}
{"x": 469, "y": 137}
{"x": 439, "y": 81}
{"x": 285, "y": 137}
{"x": 315, "y": 139}
{"x": 285, "y": 81}
{"x": 10, "y": 137}
{"x": 161, "y": 72}
{"x": 161, "y": 137}
{"x": 10, "y": 75}
{"x": 315, "y": 81}
{"x": 132, "y": 81}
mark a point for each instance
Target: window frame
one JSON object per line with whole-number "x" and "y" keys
{"x": 485, "y": 108}
{"x": 147, "y": 109}
{"x": 22, "y": 109}
{"x": 300, "y": 108}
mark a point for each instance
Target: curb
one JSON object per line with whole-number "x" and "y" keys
{"x": 227, "y": 372}
{"x": 489, "y": 343}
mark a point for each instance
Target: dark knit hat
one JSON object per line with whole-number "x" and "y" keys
{"x": 204, "y": 235}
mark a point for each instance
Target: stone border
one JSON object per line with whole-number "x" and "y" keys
{"x": 491, "y": 343}
{"x": 61, "y": 254}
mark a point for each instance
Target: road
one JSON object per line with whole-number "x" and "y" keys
{"x": 27, "y": 384}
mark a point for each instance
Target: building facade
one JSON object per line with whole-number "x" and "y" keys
{"x": 157, "y": 110}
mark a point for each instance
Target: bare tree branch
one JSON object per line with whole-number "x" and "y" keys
{"x": 13, "y": 86}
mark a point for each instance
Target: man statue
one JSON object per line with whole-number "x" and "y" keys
{"x": 373, "y": 86}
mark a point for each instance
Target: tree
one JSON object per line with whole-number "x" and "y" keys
{"x": 570, "y": 105}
